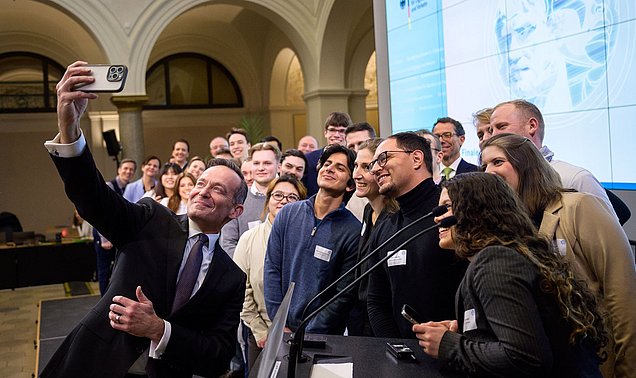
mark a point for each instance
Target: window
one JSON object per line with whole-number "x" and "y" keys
{"x": 27, "y": 83}
{"x": 190, "y": 80}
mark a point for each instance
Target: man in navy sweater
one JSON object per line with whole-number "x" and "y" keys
{"x": 312, "y": 243}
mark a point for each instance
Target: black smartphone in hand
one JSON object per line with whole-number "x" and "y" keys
{"x": 411, "y": 315}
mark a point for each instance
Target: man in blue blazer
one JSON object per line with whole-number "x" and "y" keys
{"x": 452, "y": 135}
{"x": 138, "y": 327}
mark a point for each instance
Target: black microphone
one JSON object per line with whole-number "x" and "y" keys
{"x": 296, "y": 347}
{"x": 436, "y": 212}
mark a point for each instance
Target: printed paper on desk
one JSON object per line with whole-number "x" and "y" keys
{"x": 327, "y": 366}
{"x": 398, "y": 259}
{"x": 322, "y": 253}
{"x": 342, "y": 370}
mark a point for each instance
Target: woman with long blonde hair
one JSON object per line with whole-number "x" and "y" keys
{"x": 584, "y": 230}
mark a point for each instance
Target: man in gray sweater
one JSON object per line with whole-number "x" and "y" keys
{"x": 265, "y": 160}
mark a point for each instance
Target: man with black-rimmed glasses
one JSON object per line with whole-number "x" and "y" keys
{"x": 452, "y": 135}
{"x": 420, "y": 274}
{"x": 335, "y": 126}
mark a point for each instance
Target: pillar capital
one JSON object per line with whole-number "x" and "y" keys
{"x": 327, "y": 93}
{"x": 131, "y": 129}
{"x": 129, "y": 103}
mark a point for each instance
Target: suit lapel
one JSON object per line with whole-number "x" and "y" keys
{"x": 215, "y": 272}
{"x": 212, "y": 279}
{"x": 550, "y": 220}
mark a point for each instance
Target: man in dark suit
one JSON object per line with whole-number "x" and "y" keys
{"x": 335, "y": 126}
{"x": 104, "y": 251}
{"x": 150, "y": 321}
{"x": 452, "y": 135}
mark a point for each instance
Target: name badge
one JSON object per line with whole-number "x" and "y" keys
{"x": 252, "y": 224}
{"x": 398, "y": 259}
{"x": 561, "y": 246}
{"x": 322, "y": 253}
{"x": 470, "y": 322}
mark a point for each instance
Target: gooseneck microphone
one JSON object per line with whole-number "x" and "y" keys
{"x": 435, "y": 212}
{"x": 296, "y": 347}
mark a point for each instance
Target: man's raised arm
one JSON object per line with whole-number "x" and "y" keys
{"x": 72, "y": 104}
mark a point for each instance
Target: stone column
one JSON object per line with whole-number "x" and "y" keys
{"x": 358, "y": 105}
{"x": 131, "y": 128}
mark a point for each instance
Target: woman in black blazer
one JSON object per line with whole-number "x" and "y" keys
{"x": 520, "y": 311}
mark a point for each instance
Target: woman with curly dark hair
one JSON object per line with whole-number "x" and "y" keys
{"x": 520, "y": 311}
{"x": 584, "y": 230}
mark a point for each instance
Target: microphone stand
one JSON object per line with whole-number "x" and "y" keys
{"x": 435, "y": 212}
{"x": 296, "y": 346}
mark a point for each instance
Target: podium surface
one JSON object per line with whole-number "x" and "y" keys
{"x": 369, "y": 355}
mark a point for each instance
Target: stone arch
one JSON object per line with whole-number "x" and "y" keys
{"x": 42, "y": 28}
{"x": 353, "y": 20}
{"x": 287, "y": 118}
{"x": 54, "y": 31}
{"x": 161, "y": 16}
{"x": 355, "y": 79}
{"x": 279, "y": 77}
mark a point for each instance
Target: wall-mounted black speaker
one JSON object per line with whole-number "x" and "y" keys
{"x": 112, "y": 145}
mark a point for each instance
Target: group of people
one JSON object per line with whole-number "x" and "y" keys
{"x": 534, "y": 278}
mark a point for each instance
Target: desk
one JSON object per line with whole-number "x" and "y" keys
{"x": 46, "y": 263}
{"x": 370, "y": 358}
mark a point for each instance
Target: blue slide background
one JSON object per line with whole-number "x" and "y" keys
{"x": 576, "y": 60}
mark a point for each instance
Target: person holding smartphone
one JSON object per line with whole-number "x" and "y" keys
{"x": 173, "y": 303}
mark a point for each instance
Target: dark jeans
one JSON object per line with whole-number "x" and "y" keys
{"x": 358, "y": 321}
{"x": 105, "y": 260}
{"x": 252, "y": 349}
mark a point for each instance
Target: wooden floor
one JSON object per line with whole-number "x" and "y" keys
{"x": 18, "y": 327}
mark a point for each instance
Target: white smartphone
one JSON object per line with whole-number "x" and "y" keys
{"x": 108, "y": 78}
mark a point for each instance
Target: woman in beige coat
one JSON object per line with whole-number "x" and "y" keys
{"x": 583, "y": 229}
{"x": 249, "y": 255}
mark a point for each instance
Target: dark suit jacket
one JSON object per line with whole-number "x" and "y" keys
{"x": 518, "y": 328}
{"x": 465, "y": 166}
{"x": 151, "y": 242}
{"x": 310, "y": 179}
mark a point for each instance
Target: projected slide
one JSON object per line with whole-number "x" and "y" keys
{"x": 574, "y": 59}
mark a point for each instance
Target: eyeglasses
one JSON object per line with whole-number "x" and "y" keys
{"x": 279, "y": 196}
{"x": 382, "y": 159}
{"x": 445, "y": 136}
{"x": 336, "y": 130}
